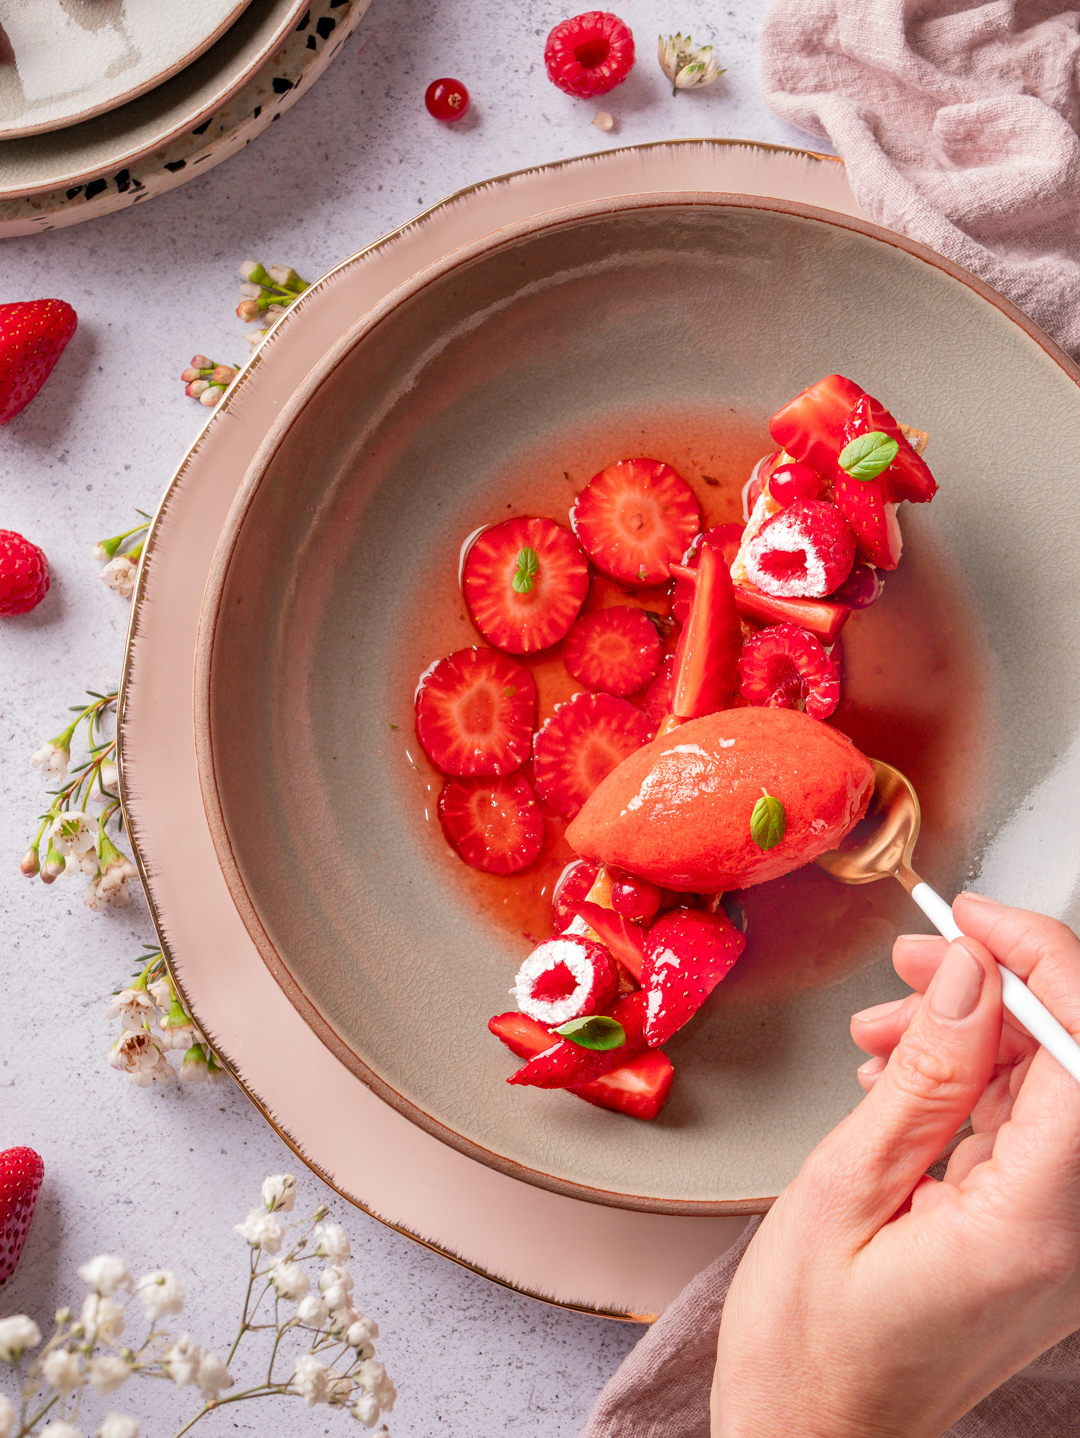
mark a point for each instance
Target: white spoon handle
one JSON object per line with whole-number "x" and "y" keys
{"x": 1015, "y": 994}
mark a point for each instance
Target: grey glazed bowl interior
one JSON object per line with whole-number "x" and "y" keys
{"x": 497, "y": 383}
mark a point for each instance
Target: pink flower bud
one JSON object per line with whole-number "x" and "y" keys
{"x": 247, "y": 310}
{"x": 197, "y": 387}
{"x": 190, "y": 374}
{"x": 223, "y": 374}
{"x": 30, "y": 863}
{"x": 201, "y": 362}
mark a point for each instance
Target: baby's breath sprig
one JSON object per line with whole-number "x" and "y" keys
{"x": 150, "y": 1003}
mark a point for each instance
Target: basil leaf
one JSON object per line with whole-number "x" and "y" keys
{"x": 768, "y": 822}
{"x": 865, "y": 457}
{"x": 595, "y": 1032}
{"x": 528, "y": 567}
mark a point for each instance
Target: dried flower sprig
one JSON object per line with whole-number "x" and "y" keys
{"x": 123, "y": 556}
{"x": 687, "y": 65}
{"x": 334, "y": 1362}
{"x": 154, "y": 1025}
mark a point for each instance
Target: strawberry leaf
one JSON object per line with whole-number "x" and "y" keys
{"x": 866, "y": 456}
{"x": 768, "y": 822}
{"x": 528, "y": 567}
{"x": 595, "y": 1032}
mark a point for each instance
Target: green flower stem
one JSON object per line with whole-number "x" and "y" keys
{"x": 112, "y": 545}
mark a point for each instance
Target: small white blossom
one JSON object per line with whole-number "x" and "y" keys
{"x": 162, "y": 1293}
{"x": 290, "y": 1280}
{"x": 182, "y": 1360}
{"x": 685, "y": 64}
{"x": 261, "y": 1230}
{"x": 110, "y": 886}
{"x": 367, "y": 1410}
{"x": 52, "y": 760}
{"x": 341, "y": 1389}
{"x": 331, "y": 1241}
{"x": 335, "y": 1285}
{"x": 603, "y": 121}
{"x": 102, "y": 1319}
{"x": 161, "y": 992}
{"x": 17, "y": 1334}
{"x": 107, "y": 1372}
{"x": 109, "y": 775}
{"x": 133, "y": 1007}
{"x": 311, "y": 1380}
{"x": 60, "y": 1429}
{"x": 81, "y": 863}
{"x": 140, "y": 1056}
{"x": 118, "y": 1425}
{"x": 106, "y": 1274}
{"x": 7, "y": 1417}
{"x": 120, "y": 574}
{"x": 61, "y": 1371}
{"x": 362, "y": 1333}
{"x": 343, "y": 1318}
{"x": 313, "y": 1311}
{"x": 373, "y": 1378}
{"x": 212, "y": 1376}
{"x": 72, "y": 833}
{"x": 279, "y": 1192}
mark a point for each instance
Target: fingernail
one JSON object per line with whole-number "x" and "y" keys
{"x": 979, "y": 898}
{"x": 871, "y": 1066}
{"x": 878, "y": 1011}
{"x": 957, "y": 983}
{"x": 920, "y": 938}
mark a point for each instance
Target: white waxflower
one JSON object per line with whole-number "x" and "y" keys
{"x": 313, "y": 1311}
{"x": 161, "y": 1292}
{"x": 61, "y": 1371}
{"x": 182, "y": 1360}
{"x": 7, "y": 1417}
{"x": 73, "y": 833}
{"x": 194, "y": 1067}
{"x": 279, "y": 1192}
{"x": 261, "y": 1230}
{"x": 331, "y": 1241}
{"x": 685, "y": 64}
{"x": 362, "y": 1333}
{"x": 118, "y": 1425}
{"x": 140, "y": 1056}
{"x": 290, "y": 1280}
{"x": 311, "y": 1380}
{"x": 102, "y": 1319}
{"x": 60, "y": 1429}
{"x": 120, "y": 574}
{"x": 161, "y": 992}
{"x": 133, "y": 1007}
{"x": 53, "y": 760}
{"x": 109, "y": 775}
{"x": 107, "y": 1274}
{"x": 212, "y": 1376}
{"x": 107, "y": 1372}
{"x": 17, "y": 1334}
{"x": 110, "y": 887}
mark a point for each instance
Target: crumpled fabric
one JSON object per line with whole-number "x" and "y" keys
{"x": 958, "y": 125}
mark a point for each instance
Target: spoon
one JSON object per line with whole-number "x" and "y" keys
{"x": 881, "y": 844}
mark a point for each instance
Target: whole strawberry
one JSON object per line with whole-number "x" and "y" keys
{"x": 33, "y": 334}
{"x": 21, "y": 1172}
{"x": 24, "y": 574}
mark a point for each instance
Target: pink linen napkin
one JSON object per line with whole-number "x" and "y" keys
{"x": 958, "y": 124}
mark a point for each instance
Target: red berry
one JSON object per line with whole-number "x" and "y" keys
{"x": 803, "y": 552}
{"x": 446, "y": 99}
{"x": 785, "y": 668}
{"x": 860, "y": 588}
{"x": 494, "y": 824}
{"x": 792, "y": 481}
{"x": 565, "y": 1064}
{"x": 635, "y": 898}
{"x": 687, "y": 953}
{"x": 475, "y": 712}
{"x": 566, "y": 978}
{"x": 581, "y": 743}
{"x": 571, "y": 889}
{"x": 24, "y": 574}
{"x": 21, "y": 1172}
{"x": 33, "y": 334}
{"x": 589, "y": 54}
{"x": 621, "y": 937}
{"x": 635, "y": 519}
{"x": 616, "y": 650}
{"x": 524, "y": 582}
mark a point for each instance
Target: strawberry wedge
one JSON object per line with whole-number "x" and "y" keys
{"x": 810, "y": 427}
{"x": 563, "y": 1064}
{"x": 474, "y": 713}
{"x": 636, "y": 519}
{"x": 622, "y": 937}
{"x": 908, "y": 477}
{"x": 707, "y": 659}
{"x": 687, "y": 953}
{"x": 823, "y": 618}
{"x": 524, "y": 581}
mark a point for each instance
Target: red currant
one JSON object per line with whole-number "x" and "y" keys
{"x": 634, "y": 898}
{"x": 446, "y": 99}
{"x": 796, "y": 480}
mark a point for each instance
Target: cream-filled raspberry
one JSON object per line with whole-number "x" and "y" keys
{"x": 804, "y": 552}
{"x": 565, "y": 978}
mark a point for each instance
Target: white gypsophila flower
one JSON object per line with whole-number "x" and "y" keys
{"x": 107, "y": 1372}
{"x": 362, "y": 1333}
{"x": 261, "y": 1230}
{"x": 367, "y": 1410}
{"x": 182, "y": 1360}
{"x": 313, "y": 1311}
{"x": 7, "y": 1417}
{"x": 311, "y": 1379}
{"x": 61, "y": 1370}
{"x": 102, "y": 1319}
{"x": 60, "y": 1429}
{"x": 107, "y": 1274}
{"x": 290, "y": 1280}
{"x": 118, "y": 1425}
{"x": 133, "y": 1007}
{"x": 373, "y": 1378}
{"x": 73, "y": 833}
{"x": 331, "y": 1241}
{"x": 340, "y": 1389}
{"x": 52, "y": 760}
{"x": 140, "y": 1056}
{"x": 161, "y": 1292}
{"x": 17, "y": 1334}
{"x": 212, "y": 1376}
{"x": 685, "y": 64}
{"x": 120, "y": 574}
{"x": 342, "y": 1319}
{"x": 279, "y": 1193}
{"x": 335, "y": 1276}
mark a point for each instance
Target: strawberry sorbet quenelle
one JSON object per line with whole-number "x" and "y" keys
{"x": 695, "y": 758}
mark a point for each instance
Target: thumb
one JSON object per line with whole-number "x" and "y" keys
{"x": 933, "y": 1080}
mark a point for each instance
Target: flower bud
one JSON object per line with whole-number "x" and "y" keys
{"x": 63, "y": 1315}
{"x": 252, "y": 270}
{"x": 201, "y": 362}
{"x": 187, "y": 376}
{"x": 223, "y": 374}
{"x": 274, "y": 312}
{"x": 211, "y": 396}
{"x": 197, "y": 387}
{"x": 30, "y": 863}
{"x": 247, "y": 310}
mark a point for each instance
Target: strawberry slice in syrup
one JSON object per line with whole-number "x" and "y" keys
{"x": 687, "y": 953}
{"x": 524, "y": 581}
{"x": 707, "y": 659}
{"x": 494, "y": 824}
{"x": 581, "y": 743}
{"x": 616, "y": 650}
{"x": 563, "y": 1064}
{"x": 475, "y": 712}
{"x": 636, "y": 519}
{"x": 785, "y": 668}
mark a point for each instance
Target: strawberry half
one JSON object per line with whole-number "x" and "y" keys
{"x": 810, "y": 427}
{"x": 624, "y": 938}
{"x": 566, "y": 978}
{"x": 563, "y": 1064}
{"x": 475, "y": 712}
{"x": 616, "y": 650}
{"x": 494, "y": 824}
{"x": 21, "y": 1172}
{"x": 33, "y": 335}
{"x": 707, "y": 659}
{"x": 581, "y": 743}
{"x": 524, "y": 582}
{"x": 687, "y": 953}
{"x": 908, "y": 477}
{"x": 785, "y": 668}
{"x": 823, "y": 618}
{"x": 635, "y": 519}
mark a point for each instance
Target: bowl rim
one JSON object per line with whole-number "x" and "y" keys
{"x": 305, "y": 394}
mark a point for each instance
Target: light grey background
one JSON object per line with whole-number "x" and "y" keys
{"x": 161, "y": 1175}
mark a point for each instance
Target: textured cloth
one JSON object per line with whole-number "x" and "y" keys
{"x": 958, "y": 125}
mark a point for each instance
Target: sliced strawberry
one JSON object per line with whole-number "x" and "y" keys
{"x": 656, "y": 701}
{"x": 635, "y": 519}
{"x": 908, "y": 477}
{"x": 475, "y": 712}
{"x": 580, "y": 745}
{"x": 563, "y": 1064}
{"x": 707, "y": 659}
{"x": 616, "y": 650}
{"x": 687, "y": 953}
{"x": 524, "y": 582}
{"x": 625, "y": 939}
{"x": 805, "y": 551}
{"x": 823, "y": 618}
{"x": 634, "y": 898}
{"x": 494, "y": 824}
{"x": 726, "y": 538}
{"x": 785, "y": 668}
{"x": 811, "y": 426}
{"x": 566, "y": 978}
{"x": 872, "y": 519}
{"x": 571, "y": 887}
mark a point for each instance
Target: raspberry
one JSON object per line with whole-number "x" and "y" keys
{"x": 783, "y": 667}
{"x": 590, "y": 54}
{"x": 24, "y": 574}
{"x": 804, "y": 552}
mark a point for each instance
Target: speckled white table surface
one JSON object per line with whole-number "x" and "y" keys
{"x": 161, "y": 1175}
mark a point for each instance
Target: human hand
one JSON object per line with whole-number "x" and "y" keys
{"x": 876, "y": 1301}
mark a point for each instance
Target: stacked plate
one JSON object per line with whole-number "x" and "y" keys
{"x": 101, "y": 110}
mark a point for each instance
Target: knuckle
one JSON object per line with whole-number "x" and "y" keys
{"x": 925, "y": 1068}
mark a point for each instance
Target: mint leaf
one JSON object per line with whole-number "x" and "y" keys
{"x": 768, "y": 822}
{"x": 528, "y": 567}
{"x": 865, "y": 457}
{"x": 595, "y": 1032}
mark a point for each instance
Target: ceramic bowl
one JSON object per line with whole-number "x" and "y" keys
{"x": 497, "y": 382}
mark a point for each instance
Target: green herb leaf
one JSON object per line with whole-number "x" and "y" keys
{"x": 528, "y": 567}
{"x": 865, "y": 457}
{"x": 595, "y": 1032}
{"x": 768, "y": 822}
